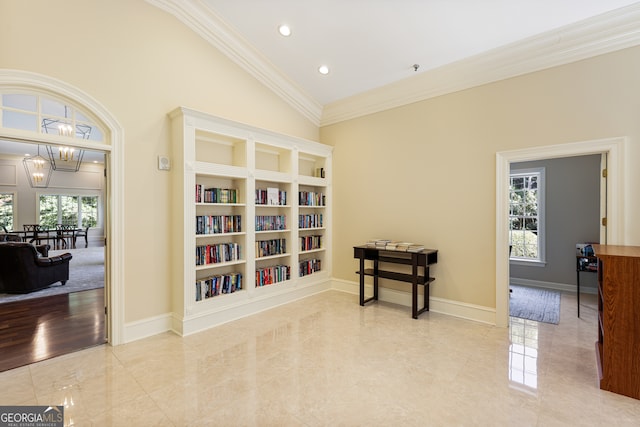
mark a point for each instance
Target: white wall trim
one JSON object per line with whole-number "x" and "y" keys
{"x": 170, "y": 322}
{"x": 476, "y": 313}
{"x": 208, "y": 25}
{"x": 145, "y": 328}
{"x": 202, "y": 321}
{"x": 614, "y": 147}
{"x": 605, "y": 33}
{"x": 24, "y": 80}
{"x": 602, "y": 34}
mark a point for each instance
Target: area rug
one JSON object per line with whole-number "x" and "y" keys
{"x": 86, "y": 271}
{"x": 541, "y": 305}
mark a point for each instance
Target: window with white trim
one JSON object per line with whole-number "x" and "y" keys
{"x": 7, "y": 202}
{"x": 526, "y": 215}
{"x": 68, "y": 209}
{"x": 47, "y": 115}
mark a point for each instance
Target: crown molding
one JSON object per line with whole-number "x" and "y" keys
{"x": 602, "y": 34}
{"x": 595, "y": 36}
{"x": 201, "y": 19}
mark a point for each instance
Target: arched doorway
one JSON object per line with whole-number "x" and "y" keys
{"x": 15, "y": 81}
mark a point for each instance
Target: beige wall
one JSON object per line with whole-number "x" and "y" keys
{"x": 425, "y": 172}
{"x": 140, "y": 63}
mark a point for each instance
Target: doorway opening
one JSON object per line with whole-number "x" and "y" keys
{"x": 111, "y": 144}
{"x": 613, "y": 148}
{"x": 60, "y": 318}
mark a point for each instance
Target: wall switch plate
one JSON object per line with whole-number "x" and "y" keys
{"x": 164, "y": 164}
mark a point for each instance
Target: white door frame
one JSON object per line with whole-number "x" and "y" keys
{"x": 613, "y": 147}
{"x": 114, "y": 228}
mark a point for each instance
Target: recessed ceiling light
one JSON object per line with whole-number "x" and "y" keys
{"x": 284, "y": 30}
{"x": 323, "y": 69}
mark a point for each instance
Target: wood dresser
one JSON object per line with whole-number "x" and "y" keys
{"x": 618, "y": 345}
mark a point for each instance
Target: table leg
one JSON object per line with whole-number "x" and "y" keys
{"x": 375, "y": 280}
{"x": 426, "y": 288}
{"x": 361, "y": 280}
{"x": 578, "y": 291}
{"x": 414, "y": 286}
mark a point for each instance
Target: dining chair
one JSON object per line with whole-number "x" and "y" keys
{"x": 65, "y": 236}
{"x": 82, "y": 232}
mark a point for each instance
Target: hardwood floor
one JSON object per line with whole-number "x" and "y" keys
{"x": 41, "y": 328}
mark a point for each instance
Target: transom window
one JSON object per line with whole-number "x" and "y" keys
{"x": 68, "y": 209}
{"x": 37, "y": 113}
{"x": 526, "y": 214}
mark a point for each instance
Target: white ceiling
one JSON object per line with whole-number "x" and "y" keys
{"x": 371, "y": 43}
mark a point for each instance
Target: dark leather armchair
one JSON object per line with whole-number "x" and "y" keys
{"x": 23, "y": 271}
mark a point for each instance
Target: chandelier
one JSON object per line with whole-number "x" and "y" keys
{"x": 38, "y": 170}
{"x": 68, "y": 159}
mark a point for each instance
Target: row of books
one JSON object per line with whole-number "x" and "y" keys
{"x": 216, "y": 285}
{"x": 310, "y": 221}
{"x": 216, "y": 224}
{"x": 271, "y": 247}
{"x": 271, "y": 222}
{"x": 213, "y": 254}
{"x": 311, "y": 198}
{"x": 270, "y": 275}
{"x": 392, "y": 245}
{"x": 216, "y": 195}
{"x": 271, "y": 196}
{"x": 310, "y": 242}
{"x": 309, "y": 266}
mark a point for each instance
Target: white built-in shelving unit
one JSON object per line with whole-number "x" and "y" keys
{"x": 291, "y": 234}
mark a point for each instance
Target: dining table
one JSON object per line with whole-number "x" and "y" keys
{"x": 59, "y": 238}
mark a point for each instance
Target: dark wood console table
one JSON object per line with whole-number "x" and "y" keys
{"x": 422, "y": 259}
{"x": 584, "y": 264}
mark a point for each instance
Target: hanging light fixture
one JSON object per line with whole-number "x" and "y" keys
{"x": 38, "y": 170}
{"x": 68, "y": 159}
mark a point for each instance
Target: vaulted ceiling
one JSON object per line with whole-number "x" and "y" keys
{"x": 386, "y": 53}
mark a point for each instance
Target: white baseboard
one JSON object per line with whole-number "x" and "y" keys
{"x": 144, "y": 328}
{"x": 168, "y": 322}
{"x": 225, "y": 314}
{"x": 476, "y": 313}
{"x": 562, "y": 287}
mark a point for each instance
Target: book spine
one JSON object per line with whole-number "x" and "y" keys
{"x": 216, "y": 285}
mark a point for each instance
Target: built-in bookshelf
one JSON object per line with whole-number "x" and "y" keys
{"x": 253, "y": 231}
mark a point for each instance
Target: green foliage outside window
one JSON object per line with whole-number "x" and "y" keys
{"x": 81, "y": 211}
{"x": 524, "y": 216}
{"x": 6, "y": 210}
{"x": 89, "y": 211}
{"x": 69, "y": 210}
{"x": 48, "y": 211}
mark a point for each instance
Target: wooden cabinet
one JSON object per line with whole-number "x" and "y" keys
{"x": 239, "y": 197}
{"x": 618, "y": 345}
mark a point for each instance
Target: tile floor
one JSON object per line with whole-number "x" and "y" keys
{"x": 326, "y": 361}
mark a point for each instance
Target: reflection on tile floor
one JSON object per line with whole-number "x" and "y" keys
{"x": 325, "y": 360}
